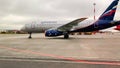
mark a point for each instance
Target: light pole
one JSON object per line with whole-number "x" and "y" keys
{"x": 94, "y": 11}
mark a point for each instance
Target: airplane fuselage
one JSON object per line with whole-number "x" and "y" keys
{"x": 84, "y": 26}
{"x": 38, "y": 27}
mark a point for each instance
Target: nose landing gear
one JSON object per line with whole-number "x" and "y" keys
{"x": 30, "y": 35}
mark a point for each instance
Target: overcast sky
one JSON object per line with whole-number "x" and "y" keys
{"x": 15, "y": 13}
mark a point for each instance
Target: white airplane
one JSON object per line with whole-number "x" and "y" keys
{"x": 54, "y": 28}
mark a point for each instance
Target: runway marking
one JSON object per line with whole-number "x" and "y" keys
{"x": 62, "y": 57}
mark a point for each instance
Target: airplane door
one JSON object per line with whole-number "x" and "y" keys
{"x": 27, "y": 26}
{"x": 33, "y": 25}
{"x": 30, "y": 26}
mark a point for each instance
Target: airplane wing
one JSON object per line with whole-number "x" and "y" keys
{"x": 69, "y": 26}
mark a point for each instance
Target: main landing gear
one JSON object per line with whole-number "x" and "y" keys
{"x": 66, "y": 35}
{"x": 30, "y": 35}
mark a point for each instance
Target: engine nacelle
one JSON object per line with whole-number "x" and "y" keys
{"x": 53, "y": 32}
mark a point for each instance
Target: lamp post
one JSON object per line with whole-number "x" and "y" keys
{"x": 94, "y": 11}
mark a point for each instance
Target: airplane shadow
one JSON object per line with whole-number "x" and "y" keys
{"x": 52, "y": 38}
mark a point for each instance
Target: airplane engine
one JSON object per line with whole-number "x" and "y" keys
{"x": 53, "y": 32}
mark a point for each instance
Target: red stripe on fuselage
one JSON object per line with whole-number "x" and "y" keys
{"x": 108, "y": 14}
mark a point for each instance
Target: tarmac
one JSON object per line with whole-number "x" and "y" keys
{"x": 80, "y": 51}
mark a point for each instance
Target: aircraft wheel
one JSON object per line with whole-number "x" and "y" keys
{"x": 66, "y": 35}
{"x": 30, "y": 35}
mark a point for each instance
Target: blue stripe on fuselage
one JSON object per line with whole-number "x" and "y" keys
{"x": 99, "y": 25}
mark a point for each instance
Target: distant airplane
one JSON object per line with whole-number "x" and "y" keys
{"x": 53, "y": 29}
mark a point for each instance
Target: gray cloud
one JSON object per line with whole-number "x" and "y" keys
{"x": 20, "y": 12}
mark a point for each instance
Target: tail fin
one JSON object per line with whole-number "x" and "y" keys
{"x": 110, "y": 11}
